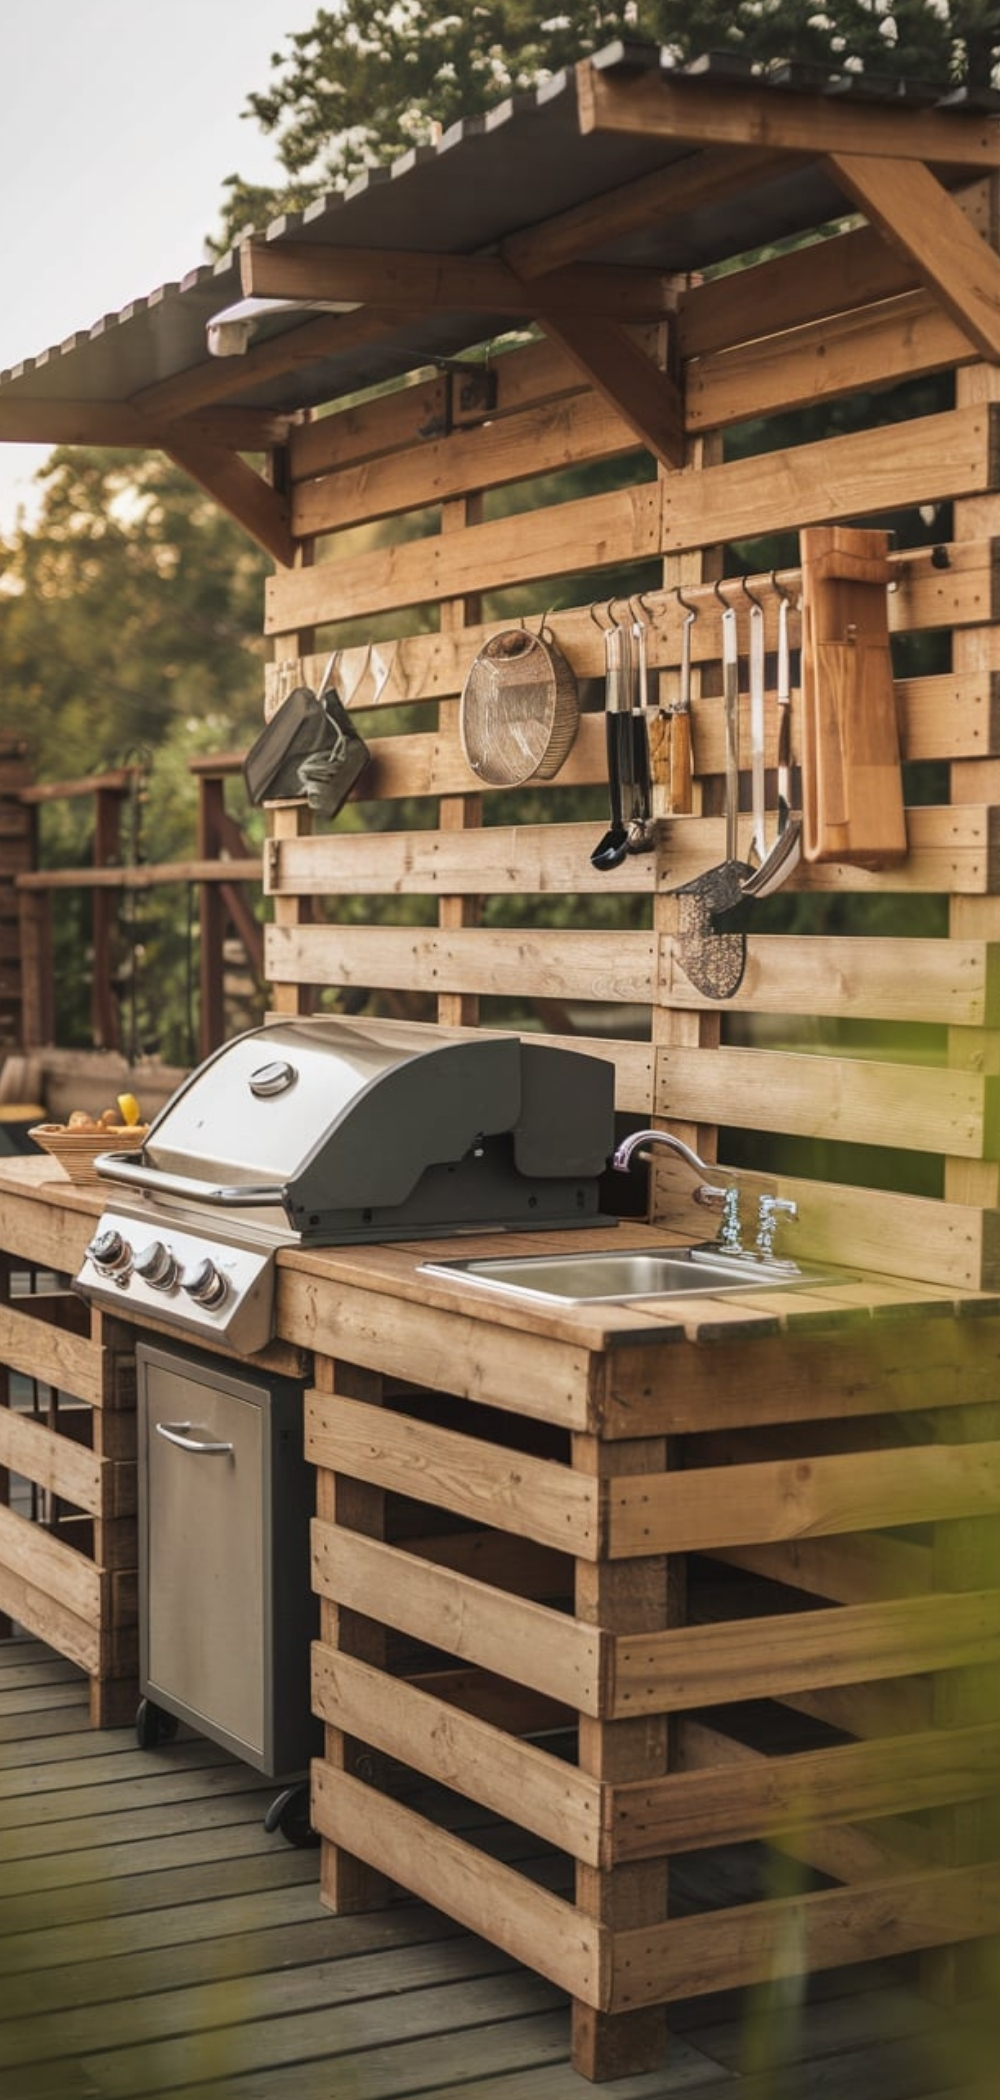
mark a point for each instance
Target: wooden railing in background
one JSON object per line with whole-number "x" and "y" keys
{"x": 223, "y": 871}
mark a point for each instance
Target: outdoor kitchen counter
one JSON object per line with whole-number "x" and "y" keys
{"x": 655, "y": 1528}
{"x": 58, "y": 1216}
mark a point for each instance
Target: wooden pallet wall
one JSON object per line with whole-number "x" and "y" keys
{"x": 868, "y": 1011}
{"x": 68, "y": 1555}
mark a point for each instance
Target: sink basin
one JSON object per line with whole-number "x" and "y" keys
{"x": 615, "y": 1273}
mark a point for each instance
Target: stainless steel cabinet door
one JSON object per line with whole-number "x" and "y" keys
{"x": 206, "y": 1543}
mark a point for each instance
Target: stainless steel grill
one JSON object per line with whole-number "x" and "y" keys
{"x": 314, "y": 1132}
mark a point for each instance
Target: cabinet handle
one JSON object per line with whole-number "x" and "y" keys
{"x": 179, "y": 1433}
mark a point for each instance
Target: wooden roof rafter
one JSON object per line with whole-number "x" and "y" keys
{"x": 705, "y": 113}
{"x": 918, "y": 218}
{"x": 582, "y": 307}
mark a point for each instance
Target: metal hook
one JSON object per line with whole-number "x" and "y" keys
{"x": 639, "y": 598}
{"x": 691, "y": 610}
{"x": 752, "y": 595}
{"x": 597, "y": 623}
{"x": 724, "y": 602}
{"x": 790, "y": 597}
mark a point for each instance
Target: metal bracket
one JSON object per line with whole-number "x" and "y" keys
{"x": 470, "y": 397}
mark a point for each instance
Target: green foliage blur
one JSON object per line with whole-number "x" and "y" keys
{"x": 130, "y": 635}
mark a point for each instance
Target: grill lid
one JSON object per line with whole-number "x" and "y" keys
{"x": 362, "y": 1129}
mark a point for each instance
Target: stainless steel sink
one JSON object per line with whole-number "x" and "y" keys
{"x": 614, "y": 1273}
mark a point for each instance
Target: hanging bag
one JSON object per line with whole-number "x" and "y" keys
{"x": 310, "y": 751}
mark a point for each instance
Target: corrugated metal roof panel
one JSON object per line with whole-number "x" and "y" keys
{"x": 490, "y": 176}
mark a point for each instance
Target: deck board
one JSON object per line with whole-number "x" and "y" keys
{"x": 155, "y": 1940}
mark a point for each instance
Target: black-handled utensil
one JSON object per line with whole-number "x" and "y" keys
{"x": 612, "y": 847}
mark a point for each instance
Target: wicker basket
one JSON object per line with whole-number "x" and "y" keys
{"x": 77, "y": 1150}
{"x": 519, "y": 709}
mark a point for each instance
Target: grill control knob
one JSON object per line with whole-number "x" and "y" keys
{"x": 156, "y": 1265}
{"x": 203, "y": 1282}
{"x": 110, "y": 1252}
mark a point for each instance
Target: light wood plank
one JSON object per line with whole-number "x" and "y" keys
{"x": 40, "y": 1350}
{"x": 964, "y": 592}
{"x": 948, "y": 982}
{"x": 519, "y": 1781}
{"x": 757, "y": 1943}
{"x": 823, "y": 360}
{"x": 850, "y": 1572}
{"x": 714, "y": 1665}
{"x": 44, "y": 1563}
{"x": 848, "y": 1099}
{"x": 534, "y": 1498}
{"x": 601, "y": 967}
{"x": 953, "y": 454}
{"x": 511, "y": 1635}
{"x": 786, "y": 292}
{"x": 516, "y": 550}
{"x": 736, "y": 1504}
{"x": 55, "y": 1462}
{"x": 484, "y": 1894}
{"x": 726, "y": 1803}
{"x": 556, "y": 435}
{"x": 534, "y": 1374}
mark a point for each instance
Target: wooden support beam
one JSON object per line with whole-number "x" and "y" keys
{"x": 702, "y": 112}
{"x": 919, "y": 219}
{"x": 686, "y": 185}
{"x": 648, "y": 399}
{"x": 212, "y": 379}
{"x": 432, "y": 283}
{"x": 39, "y": 422}
{"x": 242, "y": 492}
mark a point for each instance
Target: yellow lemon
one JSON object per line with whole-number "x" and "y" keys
{"x": 129, "y": 1106}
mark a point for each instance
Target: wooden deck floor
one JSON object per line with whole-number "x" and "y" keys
{"x": 154, "y": 1939}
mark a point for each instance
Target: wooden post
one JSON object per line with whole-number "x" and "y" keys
{"x": 211, "y": 923}
{"x": 346, "y": 1882}
{"x": 104, "y": 1014}
{"x": 459, "y": 812}
{"x": 622, "y": 1596}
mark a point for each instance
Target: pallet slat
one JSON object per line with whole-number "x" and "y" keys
{"x": 510, "y": 1635}
{"x": 532, "y": 1497}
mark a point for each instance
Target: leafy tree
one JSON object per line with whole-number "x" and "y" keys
{"x": 131, "y": 601}
{"x": 372, "y": 78}
{"x": 130, "y": 617}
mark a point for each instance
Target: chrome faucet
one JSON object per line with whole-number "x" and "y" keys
{"x": 768, "y": 1210}
{"x": 707, "y": 1192}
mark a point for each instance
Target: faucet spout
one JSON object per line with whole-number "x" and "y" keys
{"x": 726, "y": 1199}
{"x": 621, "y": 1158}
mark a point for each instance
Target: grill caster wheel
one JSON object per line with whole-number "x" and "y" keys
{"x": 153, "y": 1726}
{"x": 289, "y": 1813}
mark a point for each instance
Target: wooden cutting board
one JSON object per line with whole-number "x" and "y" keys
{"x": 852, "y": 788}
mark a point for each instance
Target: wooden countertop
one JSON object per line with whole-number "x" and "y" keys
{"x": 393, "y": 1271}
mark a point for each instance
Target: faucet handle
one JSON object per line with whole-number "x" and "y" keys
{"x": 769, "y": 1208}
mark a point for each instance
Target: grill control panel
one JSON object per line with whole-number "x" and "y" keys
{"x": 181, "y": 1279}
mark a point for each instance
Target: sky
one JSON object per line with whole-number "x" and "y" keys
{"x": 119, "y": 122}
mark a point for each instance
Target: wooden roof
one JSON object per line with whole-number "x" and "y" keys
{"x": 578, "y": 205}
